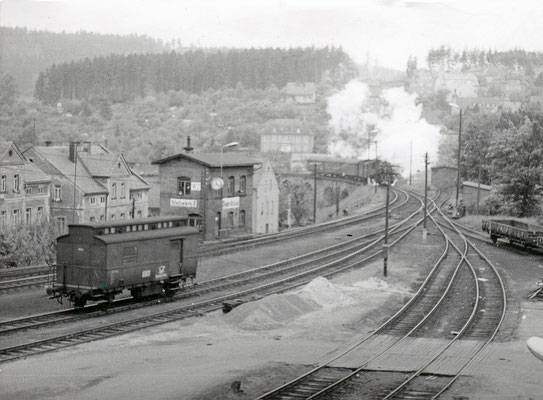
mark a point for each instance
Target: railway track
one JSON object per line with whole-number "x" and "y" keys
{"x": 24, "y": 278}
{"x": 275, "y": 278}
{"x": 221, "y": 283}
{"x": 401, "y": 346}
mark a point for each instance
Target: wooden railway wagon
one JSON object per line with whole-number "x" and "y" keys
{"x": 516, "y": 231}
{"x": 147, "y": 256}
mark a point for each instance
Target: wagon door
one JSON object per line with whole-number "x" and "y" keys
{"x": 176, "y": 257}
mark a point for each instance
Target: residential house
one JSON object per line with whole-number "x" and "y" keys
{"x": 463, "y": 84}
{"x": 128, "y": 192}
{"x": 24, "y": 189}
{"x": 89, "y": 183}
{"x": 300, "y": 92}
{"x": 216, "y": 187}
{"x": 286, "y": 136}
{"x": 265, "y": 199}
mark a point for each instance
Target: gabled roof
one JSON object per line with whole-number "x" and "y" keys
{"x": 5, "y": 148}
{"x": 213, "y": 160}
{"x": 300, "y": 88}
{"x": 281, "y": 126}
{"x": 32, "y": 174}
{"x": 54, "y": 161}
{"x": 102, "y": 165}
{"x": 137, "y": 182}
{"x": 324, "y": 158}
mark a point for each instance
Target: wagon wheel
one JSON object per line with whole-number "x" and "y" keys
{"x": 136, "y": 293}
{"x": 80, "y": 300}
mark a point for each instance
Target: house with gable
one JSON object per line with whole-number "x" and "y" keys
{"x": 300, "y": 92}
{"x": 89, "y": 183}
{"x": 265, "y": 199}
{"x": 458, "y": 84}
{"x": 286, "y": 135}
{"x": 24, "y": 189}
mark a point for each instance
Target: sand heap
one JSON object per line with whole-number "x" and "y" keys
{"x": 275, "y": 310}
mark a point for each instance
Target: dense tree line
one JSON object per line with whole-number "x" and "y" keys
{"x": 478, "y": 59}
{"x": 24, "y": 53}
{"x": 121, "y": 78}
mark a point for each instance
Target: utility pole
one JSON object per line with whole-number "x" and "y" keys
{"x": 385, "y": 244}
{"x": 424, "y": 230}
{"x": 478, "y": 189}
{"x": 315, "y": 193}
{"x": 337, "y": 199}
{"x": 459, "y": 157}
{"x": 133, "y": 207}
{"x": 75, "y": 181}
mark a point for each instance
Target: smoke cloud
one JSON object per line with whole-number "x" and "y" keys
{"x": 389, "y": 121}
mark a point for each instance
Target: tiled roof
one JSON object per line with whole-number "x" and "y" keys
{"x": 213, "y": 160}
{"x": 99, "y": 164}
{"x": 32, "y": 174}
{"x": 476, "y": 185}
{"x": 145, "y": 169}
{"x": 280, "y": 126}
{"x": 300, "y": 88}
{"x": 58, "y": 158}
{"x": 323, "y": 157}
{"x": 137, "y": 183}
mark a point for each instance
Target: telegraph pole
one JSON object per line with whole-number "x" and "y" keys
{"x": 315, "y": 193}
{"x": 424, "y": 230}
{"x": 385, "y": 244}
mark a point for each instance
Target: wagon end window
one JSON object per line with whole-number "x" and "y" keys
{"x": 130, "y": 255}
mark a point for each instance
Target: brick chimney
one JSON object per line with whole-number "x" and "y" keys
{"x": 73, "y": 151}
{"x": 188, "y": 148}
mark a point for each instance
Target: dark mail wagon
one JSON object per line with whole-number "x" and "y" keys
{"x": 147, "y": 256}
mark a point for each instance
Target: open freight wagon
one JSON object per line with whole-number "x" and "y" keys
{"x": 528, "y": 235}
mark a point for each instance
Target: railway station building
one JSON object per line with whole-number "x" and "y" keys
{"x": 216, "y": 188}
{"x": 24, "y": 189}
{"x": 89, "y": 183}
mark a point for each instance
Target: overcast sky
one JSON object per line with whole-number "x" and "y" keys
{"x": 387, "y": 30}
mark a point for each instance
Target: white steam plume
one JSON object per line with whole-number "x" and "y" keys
{"x": 394, "y": 122}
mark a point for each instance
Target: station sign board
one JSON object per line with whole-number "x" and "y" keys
{"x": 230, "y": 202}
{"x": 185, "y": 203}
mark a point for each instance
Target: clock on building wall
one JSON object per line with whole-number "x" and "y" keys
{"x": 217, "y": 183}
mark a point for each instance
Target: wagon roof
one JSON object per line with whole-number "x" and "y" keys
{"x": 135, "y": 221}
{"x": 171, "y": 233}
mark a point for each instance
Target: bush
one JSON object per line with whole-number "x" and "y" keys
{"x": 27, "y": 245}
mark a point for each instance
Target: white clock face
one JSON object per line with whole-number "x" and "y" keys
{"x": 217, "y": 183}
